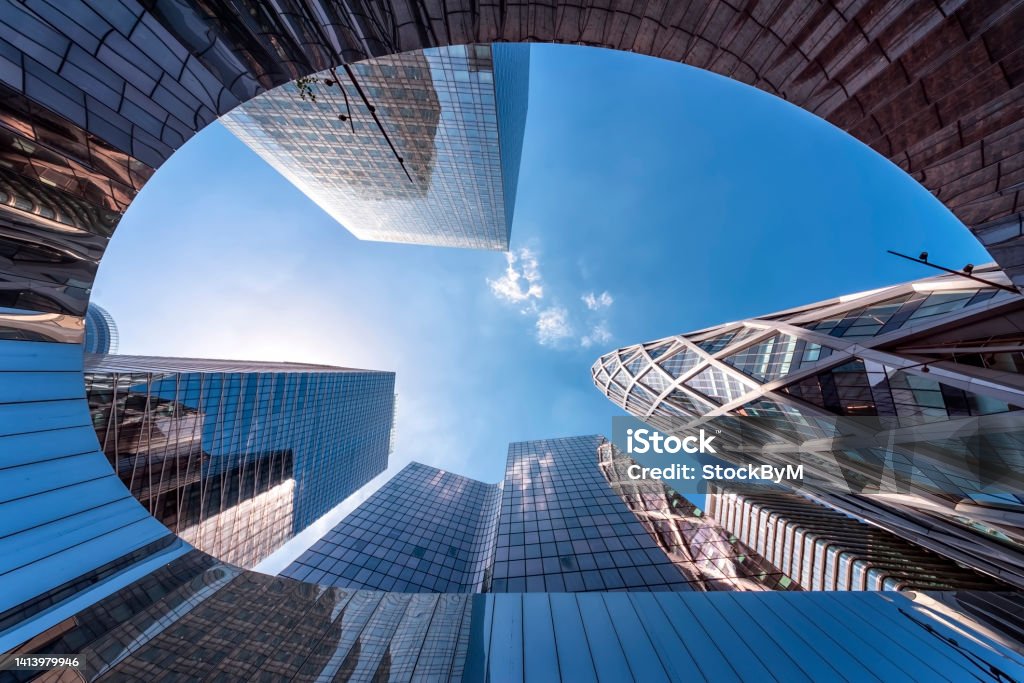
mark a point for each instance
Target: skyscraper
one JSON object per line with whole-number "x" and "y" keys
{"x": 823, "y": 549}
{"x": 902, "y": 404}
{"x": 421, "y": 147}
{"x": 235, "y": 456}
{"x": 425, "y": 530}
{"x": 567, "y": 518}
{"x": 712, "y": 557}
{"x": 428, "y": 530}
{"x": 561, "y": 520}
{"x": 100, "y": 330}
{"x": 563, "y": 528}
{"x": 512, "y": 93}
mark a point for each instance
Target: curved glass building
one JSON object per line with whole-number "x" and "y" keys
{"x": 100, "y": 330}
{"x": 903, "y": 405}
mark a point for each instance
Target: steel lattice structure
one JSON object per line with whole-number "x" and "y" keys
{"x": 909, "y": 393}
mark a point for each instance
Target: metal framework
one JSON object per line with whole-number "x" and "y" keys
{"x": 908, "y": 396}
{"x": 711, "y": 556}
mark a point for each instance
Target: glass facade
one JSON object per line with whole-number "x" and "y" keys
{"x": 436, "y": 159}
{"x": 559, "y": 522}
{"x": 236, "y": 457}
{"x": 512, "y": 93}
{"x": 568, "y": 518}
{"x": 712, "y": 557}
{"x": 100, "y": 330}
{"x": 895, "y": 402}
{"x": 192, "y": 619}
{"x": 563, "y": 528}
{"x": 824, "y": 549}
{"x": 425, "y": 530}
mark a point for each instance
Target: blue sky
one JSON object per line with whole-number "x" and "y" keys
{"x": 653, "y": 199}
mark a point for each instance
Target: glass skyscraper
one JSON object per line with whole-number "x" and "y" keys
{"x": 237, "y": 456}
{"x": 903, "y": 405}
{"x": 421, "y": 147}
{"x": 563, "y": 528}
{"x": 710, "y": 556}
{"x": 823, "y": 549}
{"x": 425, "y": 530}
{"x": 100, "y": 330}
{"x": 554, "y": 524}
{"x": 512, "y": 94}
{"x": 561, "y": 520}
{"x": 568, "y": 518}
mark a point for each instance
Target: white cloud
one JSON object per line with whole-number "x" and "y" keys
{"x": 553, "y": 325}
{"x": 599, "y": 334}
{"x": 521, "y": 282}
{"x": 598, "y": 301}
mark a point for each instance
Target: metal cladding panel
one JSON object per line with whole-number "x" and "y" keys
{"x": 64, "y": 513}
{"x": 724, "y": 637}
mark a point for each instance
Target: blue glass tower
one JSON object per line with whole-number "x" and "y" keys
{"x": 563, "y": 527}
{"x": 100, "y": 330}
{"x": 425, "y": 530}
{"x": 419, "y": 148}
{"x": 237, "y": 457}
{"x": 512, "y": 92}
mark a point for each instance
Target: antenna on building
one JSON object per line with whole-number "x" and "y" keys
{"x": 965, "y": 272}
